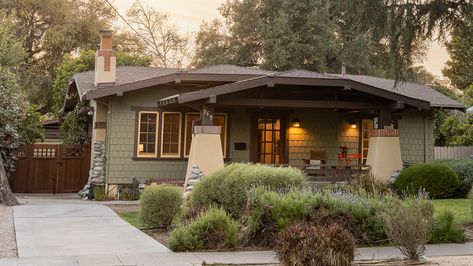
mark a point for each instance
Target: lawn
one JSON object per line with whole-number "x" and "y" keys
{"x": 132, "y": 218}
{"x": 459, "y": 207}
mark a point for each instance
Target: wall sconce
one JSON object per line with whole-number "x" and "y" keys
{"x": 296, "y": 123}
{"x": 352, "y": 124}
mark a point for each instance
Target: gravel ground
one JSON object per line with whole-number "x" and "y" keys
{"x": 7, "y": 233}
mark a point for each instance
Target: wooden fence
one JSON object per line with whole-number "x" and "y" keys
{"x": 457, "y": 152}
{"x": 47, "y": 168}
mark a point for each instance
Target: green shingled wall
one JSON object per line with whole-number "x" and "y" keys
{"x": 414, "y": 135}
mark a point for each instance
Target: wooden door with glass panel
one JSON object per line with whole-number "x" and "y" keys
{"x": 271, "y": 140}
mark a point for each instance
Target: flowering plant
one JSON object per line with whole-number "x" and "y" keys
{"x": 343, "y": 150}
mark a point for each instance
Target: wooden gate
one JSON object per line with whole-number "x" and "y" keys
{"x": 50, "y": 168}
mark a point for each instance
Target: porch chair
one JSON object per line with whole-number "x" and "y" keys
{"x": 315, "y": 158}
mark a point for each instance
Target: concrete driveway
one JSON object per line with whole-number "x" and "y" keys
{"x": 57, "y": 227}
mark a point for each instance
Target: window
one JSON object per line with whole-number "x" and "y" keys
{"x": 219, "y": 120}
{"x": 147, "y": 130}
{"x": 171, "y": 135}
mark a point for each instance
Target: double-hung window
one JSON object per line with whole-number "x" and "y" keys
{"x": 148, "y": 134}
{"x": 171, "y": 135}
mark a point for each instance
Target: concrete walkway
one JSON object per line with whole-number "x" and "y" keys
{"x": 51, "y": 228}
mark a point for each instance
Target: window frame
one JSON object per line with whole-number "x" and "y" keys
{"x": 224, "y": 146}
{"x": 138, "y": 135}
{"x": 178, "y": 155}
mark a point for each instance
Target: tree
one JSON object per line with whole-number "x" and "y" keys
{"x": 381, "y": 37}
{"x": 164, "y": 44}
{"x": 50, "y": 29}
{"x": 19, "y": 121}
{"x": 458, "y": 130}
{"x": 459, "y": 68}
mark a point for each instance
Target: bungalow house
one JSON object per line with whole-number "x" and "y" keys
{"x": 143, "y": 116}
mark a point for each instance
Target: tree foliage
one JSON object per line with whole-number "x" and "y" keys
{"x": 459, "y": 68}
{"x": 74, "y": 127}
{"x": 50, "y": 29}
{"x": 458, "y": 130}
{"x": 382, "y": 37}
{"x": 19, "y": 121}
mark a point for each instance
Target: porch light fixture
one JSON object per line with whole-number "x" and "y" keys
{"x": 296, "y": 123}
{"x": 352, "y": 124}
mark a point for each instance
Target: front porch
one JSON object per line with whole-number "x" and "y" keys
{"x": 286, "y": 120}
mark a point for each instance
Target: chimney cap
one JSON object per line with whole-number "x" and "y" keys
{"x": 106, "y": 33}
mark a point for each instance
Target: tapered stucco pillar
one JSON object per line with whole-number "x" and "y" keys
{"x": 206, "y": 150}
{"x": 384, "y": 153}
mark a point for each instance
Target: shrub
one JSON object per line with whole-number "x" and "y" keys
{"x": 228, "y": 187}
{"x": 305, "y": 244}
{"x": 439, "y": 180}
{"x": 443, "y": 230}
{"x": 464, "y": 170}
{"x": 471, "y": 202}
{"x": 159, "y": 205}
{"x": 407, "y": 225}
{"x": 212, "y": 230}
{"x": 369, "y": 184}
{"x": 269, "y": 212}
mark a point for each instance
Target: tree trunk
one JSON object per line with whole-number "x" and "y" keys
{"x": 6, "y": 195}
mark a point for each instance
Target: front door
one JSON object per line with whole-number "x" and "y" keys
{"x": 269, "y": 141}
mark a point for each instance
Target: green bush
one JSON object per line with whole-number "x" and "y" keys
{"x": 305, "y": 244}
{"x": 212, "y": 230}
{"x": 407, "y": 225}
{"x": 464, "y": 170}
{"x": 228, "y": 187}
{"x": 270, "y": 212}
{"x": 443, "y": 230}
{"x": 439, "y": 180}
{"x": 159, "y": 205}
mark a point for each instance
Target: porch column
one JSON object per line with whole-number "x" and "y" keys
{"x": 384, "y": 153}
{"x": 206, "y": 146}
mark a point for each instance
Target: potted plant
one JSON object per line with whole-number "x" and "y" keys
{"x": 343, "y": 151}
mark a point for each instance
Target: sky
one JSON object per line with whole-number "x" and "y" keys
{"x": 189, "y": 14}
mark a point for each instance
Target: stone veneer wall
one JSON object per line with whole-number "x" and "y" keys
{"x": 97, "y": 171}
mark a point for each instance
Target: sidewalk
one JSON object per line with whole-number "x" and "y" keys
{"x": 68, "y": 227}
{"x": 242, "y": 257}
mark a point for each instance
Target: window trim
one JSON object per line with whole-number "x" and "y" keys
{"x": 138, "y": 132}
{"x": 178, "y": 155}
{"x": 224, "y": 146}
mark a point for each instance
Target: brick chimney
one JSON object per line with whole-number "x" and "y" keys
{"x": 105, "y": 61}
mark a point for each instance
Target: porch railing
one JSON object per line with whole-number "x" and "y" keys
{"x": 332, "y": 173}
